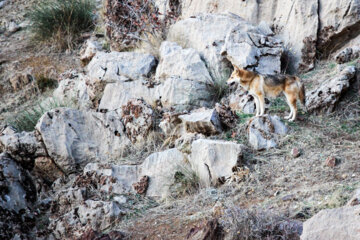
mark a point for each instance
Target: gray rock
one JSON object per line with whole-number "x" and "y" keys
{"x": 184, "y": 63}
{"x": 338, "y": 223}
{"x": 73, "y": 138}
{"x": 161, "y": 167}
{"x": 239, "y": 100}
{"x": 13, "y": 27}
{"x": 324, "y": 98}
{"x": 22, "y": 147}
{"x": 348, "y": 54}
{"x": 205, "y": 121}
{"x": 120, "y": 66}
{"x": 214, "y": 159}
{"x": 88, "y": 51}
{"x": 264, "y": 131}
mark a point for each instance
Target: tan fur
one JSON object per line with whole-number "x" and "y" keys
{"x": 261, "y": 86}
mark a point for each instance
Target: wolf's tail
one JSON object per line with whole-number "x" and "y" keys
{"x": 302, "y": 95}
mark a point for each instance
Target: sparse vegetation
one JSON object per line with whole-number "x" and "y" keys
{"x": 27, "y": 119}
{"x": 44, "y": 83}
{"x": 61, "y": 21}
{"x": 186, "y": 182}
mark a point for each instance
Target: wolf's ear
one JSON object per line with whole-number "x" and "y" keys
{"x": 236, "y": 67}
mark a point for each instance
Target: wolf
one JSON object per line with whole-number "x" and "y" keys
{"x": 261, "y": 86}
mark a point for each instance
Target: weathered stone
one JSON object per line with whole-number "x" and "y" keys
{"x": 141, "y": 186}
{"x": 214, "y": 160}
{"x": 355, "y": 199}
{"x": 348, "y": 54}
{"x": 74, "y": 138}
{"x": 184, "y": 63}
{"x": 171, "y": 124}
{"x": 239, "y": 100}
{"x": 88, "y": 51}
{"x": 330, "y": 161}
{"x": 208, "y": 229}
{"x": 138, "y": 118}
{"x": 324, "y": 98}
{"x": 227, "y": 118}
{"x": 264, "y": 131}
{"x": 161, "y": 167}
{"x": 19, "y": 80}
{"x": 120, "y": 66}
{"x": 338, "y": 223}
{"x": 205, "y": 121}
{"x": 22, "y": 147}
{"x": 295, "y": 152}
{"x": 115, "y": 179}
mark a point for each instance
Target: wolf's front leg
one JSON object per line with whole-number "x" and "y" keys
{"x": 261, "y": 100}
{"x": 257, "y": 105}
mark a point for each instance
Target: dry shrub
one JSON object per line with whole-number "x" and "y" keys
{"x": 130, "y": 21}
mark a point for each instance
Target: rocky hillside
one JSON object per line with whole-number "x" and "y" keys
{"x": 129, "y": 130}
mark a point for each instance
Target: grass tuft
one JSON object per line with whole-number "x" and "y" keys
{"x": 61, "y": 21}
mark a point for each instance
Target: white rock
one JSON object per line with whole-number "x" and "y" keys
{"x": 183, "y": 63}
{"x": 324, "y": 98}
{"x": 89, "y": 50}
{"x": 337, "y": 223}
{"x": 73, "y": 138}
{"x": 214, "y": 159}
{"x": 205, "y": 121}
{"x": 120, "y": 66}
{"x": 161, "y": 167}
{"x": 264, "y": 131}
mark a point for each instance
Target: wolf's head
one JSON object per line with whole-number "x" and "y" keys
{"x": 242, "y": 76}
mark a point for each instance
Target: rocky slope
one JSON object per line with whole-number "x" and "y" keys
{"x": 149, "y": 149}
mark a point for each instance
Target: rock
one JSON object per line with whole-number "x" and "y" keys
{"x": 94, "y": 235}
{"x": 292, "y": 23}
{"x": 348, "y": 54}
{"x": 74, "y": 90}
{"x": 337, "y": 223}
{"x": 264, "y": 131}
{"x": 184, "y": 63}
{"x": 295, "y": 152}
{"x": 23, "y": 147}
{"x": 214, "y": 160}
{"x": 13, "y": 27}
{"x": 2, "y": 4}
{"x": 118, "y": 94}
{"x": 112, "y": 179}
{"x": 171, "y": 124}
{"x": 239, "y": 100}
{"x": 330, "y": 161}
{"x": 138, "y": 118}
{"x": 184, "y": 141}
{"x": 120, "y": 66}
{"x": 161, "y": 167}
{"x": 227, "y": 118}
{"x": 182, "y": 94}
{"x": 47, "y": 169}
{"x": 17, "y": 197}
{"x": 97, "y": 215}
{"x": 339, "y": 22}
{"x": 88, "y": 51}
{"x": 259, "y": 50}
{"x": 205, "y": 121}
{"x": 324, "y": 98}
{"x": 73, "y": 138}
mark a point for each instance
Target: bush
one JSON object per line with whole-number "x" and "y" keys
{"x": 62, "y": 20}
{"x": 27, "y": 119}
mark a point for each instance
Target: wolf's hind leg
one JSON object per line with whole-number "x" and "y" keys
{"x": 262, "y": 104}
{"x": 257, "y": 104}
{"x": 294, "y": 109}
{"x": 291, "y": 109}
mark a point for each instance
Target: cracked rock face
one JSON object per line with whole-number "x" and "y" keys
{"x": 324, "y": 98}
{"x": 73, "y": 138}
{"x": 214, "y": 160}
{"x": 120, "y": 66}
{"x": 264, "y": 131}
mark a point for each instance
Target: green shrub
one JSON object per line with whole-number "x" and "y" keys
{"x": 27, "y": 119}
{"x": 61, "y": 20}
{"x": 44, "y": 83}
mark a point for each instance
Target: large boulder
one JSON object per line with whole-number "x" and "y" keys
{"x": 23, "y": 147}
{"x": 338, "y": 223}
{"x": 184, "y": 63}
{"x": 73, "y": 138}
{"x": 240, "y": 100}
{"x": 324, "y": 98}
{"x": 225, "y": 40}
{"x": 161, "y": 167}
{"x": 121, "y": 66}
{"x": 205, "y": 121}
{"x": 348, "y": 54}
{"x": 265, "y": 131}
{"x": 214, "y": 160}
